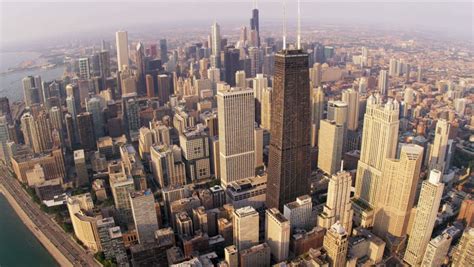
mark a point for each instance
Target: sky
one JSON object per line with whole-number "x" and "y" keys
{"x": 29, "y": 22}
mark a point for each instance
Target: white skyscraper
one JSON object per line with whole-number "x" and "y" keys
{"x": 236, "y": 111}
{"x": 330, "y": 142}
{"x": 245, "y": 228}
{"x": 317, "y": 111}
{"x": 84, "y": 68}
{"x": 379, "y": 141}
{"x": 277, "y": 234}
{"x": 338, "y": 204}
{"x": 144, "y": 215}
{"x": 351, "y": 98}
{"x": 439, "y": 149}
{"x": 425, "y": 217}
{"x": 215, "y": 45}
{"x": 121, "y": 39}
{"x": 299, "y": 212}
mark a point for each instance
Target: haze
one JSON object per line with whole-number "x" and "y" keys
{"x": 23, "y": 24}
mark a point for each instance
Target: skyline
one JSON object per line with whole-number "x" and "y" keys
{"x": 401, "y": 16}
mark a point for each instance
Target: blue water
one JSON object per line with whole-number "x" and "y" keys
{"x": 18, "y": 246}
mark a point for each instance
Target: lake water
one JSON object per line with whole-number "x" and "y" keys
{"x": 18, "y": 246}
{"x": 10, "y": 83}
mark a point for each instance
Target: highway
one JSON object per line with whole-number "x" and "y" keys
{"x": 77, "y": 255}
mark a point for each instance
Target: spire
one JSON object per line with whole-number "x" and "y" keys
{"x": 255, "y": 4}
{"x": 298, "y": 37}
{"x": 284, "y": 24}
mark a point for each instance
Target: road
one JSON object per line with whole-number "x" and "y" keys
{"x": 61, "y": 240}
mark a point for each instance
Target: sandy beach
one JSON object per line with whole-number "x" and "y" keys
{"x": 57, "y": 255}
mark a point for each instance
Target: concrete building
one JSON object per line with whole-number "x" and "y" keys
{"x": 425, "y": 217}
{"x": 379, "y": 141}
{"x": 194, "y": 143}
{"x": 317, "y": 111}
{"x": 84, "y": 223}
{"x": 338, "y": 204}
{"x": 247, "y": 192}
{"x": 121, "y": 39}
{"x": 121, "y": 186}
{"x": 52, "y": 164}
{"x": 258, "y": 255}
{"x": 336, "y": 244}
{"x": 277, "y": 234}
{"x": 245, "y": 223}
{"x": 82, "y": 177}
{"x": 231, "y": 256}
{"x": 299, "y": 212}
{"x": 236, "y": 111}
{"x": 437, "y": 250}
{"x": 331, "y": 139}
{"x": 439, "y": 149}
{"x": 144, "y": 215}
{"x": 401, "y": 176}
{"x": 167, "y": 166}
{"x": 351, "y": 98}
{"x": 463, "y": 253}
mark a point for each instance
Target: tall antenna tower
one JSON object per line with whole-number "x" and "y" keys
{"x": 298, "y": 37}
{"x": 284, "y": 24}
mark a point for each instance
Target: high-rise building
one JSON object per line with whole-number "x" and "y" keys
{"x": 255, "y": 25}
{"x": 351, "y": 98}
{"x": 463, "y": 255}
{"x": 164, "y": 87}
{"x": 383, "y": 82}
{"x": 245, "y": 227}
{"x": 163, "y": 51}
{"x": 85, "y": 130}
{"x": 167, "y": 167}
{"x": 4, "y": 138}
{"x": 379, "y": 141}
{"x": 330, "y": 142}
{"x": 82, "y": 177}
{"x": 140, "y": 62}
{"x": 30, "y": 135}
{"x": 336, "y": 244}
{"x": 240, "y": 79}
{"x": 43, "y": 131}
{"x": 31, "y": 90}
{"x": 121, "y": 186}
{"x": 84, "y": 68}
{"x": 437, "y": 250}
{"x": 439, "y": 149}
{"x": 84, "y": 224}
{"x": 425, "y": 217}
{"x": 401, "y": 176}
{"x": 289, "y": 155}
{"x": 338, "y": 206}
{"x": 121, "y": 39}
{"x": 144, "y": 215}
{"x": 215, "y": 45}
{"x": 258, "y": 255}
{"x": 150, "y": 86}
{"x": 299, "y": 212}
{"x": 93, "y": 106}
{"x": 194, "y": 144}
{"x": 317, "y": 111}
{"x": 316, "y": 75}
{"x": 236, "y": 134}
{"x": 277, "y": 234}
{"x": 104, "y": 65}
{"x": 266, "y": 108}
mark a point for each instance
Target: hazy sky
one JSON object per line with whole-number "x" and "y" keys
{"x": 23, "y": 22}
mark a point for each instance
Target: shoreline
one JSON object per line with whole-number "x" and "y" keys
{"x": 45, "y": 242}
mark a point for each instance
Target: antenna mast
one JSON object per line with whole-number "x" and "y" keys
{"x": 284, "y": 24}
{"x": 298, "y": 37}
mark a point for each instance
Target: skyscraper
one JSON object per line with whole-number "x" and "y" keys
{"x": 317, "y": 110}
{"x": 463, "y": 255}
{"x": 28, "y": 127}
{"x": 163, "y": 51}
{"x": 289, "y": 157}
{"x": 31, "y": 90}
{"x": 144, "y": 215}
{"x": 277, "y": 234}
{"x": 437, "y": 250}
{"x": 336, "y": 244}
{"x": 215, "y": 45}
{"x": 236, "y": 114}
{"x": 85, "y": 130}
{"x": 140, "y": 60}
{"x": 351, "y": 98}
{"x": 255, "y": 26}
{"x": 425, "y": 217}
{"x": 121, "y": 39}
{"x": 401, "y": 176}
{"x": 383, "y": 82}
{"x": 338, "y": 204}
{"x": 245, "y": 228}
{"x": 439, "y": 149}
{"x": 94, "y": 108}
{"x": 379, "y": 141}
{"x": 330, "y": 142}
{"x": 84, "y": 68}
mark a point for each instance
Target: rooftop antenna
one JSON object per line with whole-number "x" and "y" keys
{"x": 298, "y": 37}
{"x": 255, "y": 4}
{"x": 284, "y": 24}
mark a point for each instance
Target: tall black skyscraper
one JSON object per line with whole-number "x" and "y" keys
{"x": 254, "y": 24}
{"x": 231, "y": 64}
{"x": 163, "y": 51}
{"x": 289, "y": 167}
{"x": 141, "y": 88}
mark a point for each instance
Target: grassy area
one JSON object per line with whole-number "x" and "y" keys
{"x": 105, "y": 262}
